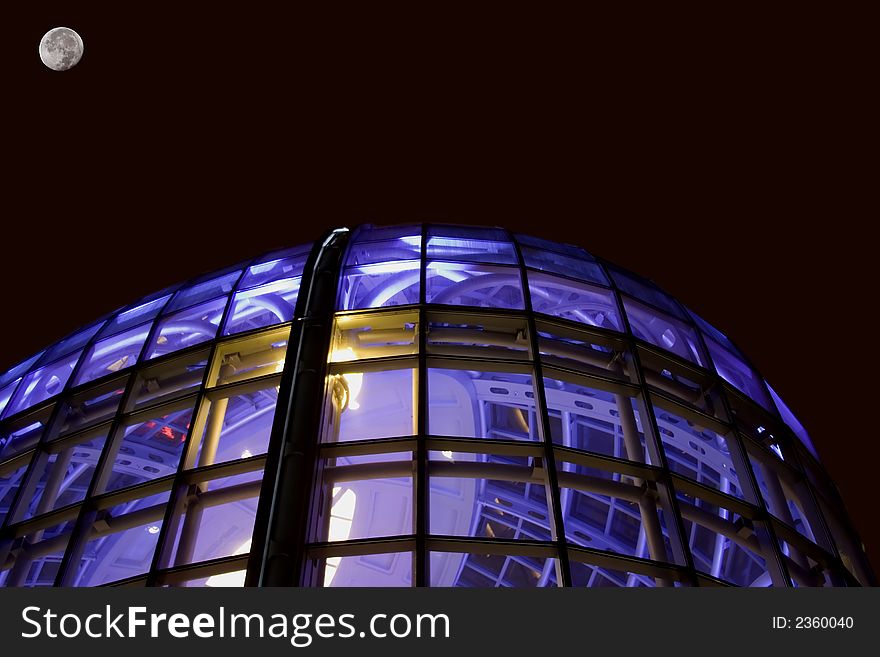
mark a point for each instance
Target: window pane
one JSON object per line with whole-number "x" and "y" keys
{"x": 203, "y": 291}
{"x": 288, "y": 264}
{"x": 472, "y": 250}
{"x": 578, "y": 302}
{"x": 273, "y": 303}
{"x": 478, "y": 336}
{"x": 70, "y": 344}
{"x": 789, "y": 418}
{"x": 581, "y": 267}
{"x": 6, "y": 394}
{"x": 36, "y": 563}
{"x": 472, "y": 404}
{"x": 647, "y": 292}
{"x": 23, "y": 434}
{"x": 663, "y": 331}
{"x": 18, "y": 370}
{"x": 385, "y": 284}
{"x": 588, "y": 575}
{"x": 408, "y": 247}
{"x": 375, "y": 335}
{"x": 91, "y": 407}
{"x": 188, "y": 328}
{"x": 113, "y": 354}
{"x": 141, "y": 314}
{"x": 738, "y": 374}
{"x": 11, "y": 479}
{"x": 461, "y": 284}
{"x": 390, "y": 569}
{"x": 43, "y": 383}
{"x": 371, "y": 405}
{"x": 468, "y": 570}
{"x": 247, "y": 358}
{"x": 169, "y": 380}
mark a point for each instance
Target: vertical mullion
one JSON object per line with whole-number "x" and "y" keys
{"x": 421, "y": 498}
{"x": 543, "y": 416}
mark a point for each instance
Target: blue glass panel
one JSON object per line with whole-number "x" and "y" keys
{"x": 472, "y": 404}
{"x": 469, "y": 233}
{"x": 269, "y": 304}
{"x": 6, "y": 395}
{"x": 202, "y": 291}
{"x": 711, "y": 332}
{"x": 793, "y": 423}
{"x": 139, "y": 314}
{"x": 383, "y": 284}
{"x": 590, "y": 576}
{"x": 573, "y": 300}
{"x": 69, "y": 344}
{"x": 469, "y": 570}
{"x": 43, "y": 383}
{"x": 698, "y": 453}
{"x": 461, "y": 284}
{"x": 738, "y": 373}
{"x": 408, "y": 247}
{"x": 284, "y": 264}
{"x": 475, "y": 250}
{"x": 18, "y": 370}
{"x": 647, "y": 292}
{"x": 389, "y": 569}
{"x": 23, "y": 435}
{"x": 663, "y": 331}
{"x": 113, "y": 354}
{"x": 187, "y": 328}
{"x": 377, "y": 405}
{"x": 371, "y": 233}
{"x": 582, "y": 268}
{"x": 11, "y": 479}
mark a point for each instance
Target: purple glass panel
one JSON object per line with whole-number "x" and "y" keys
{"x": 114, "y": 556}
{"x": 712, "y": 332}
{"x": 63, "y": 477}
{"x": 90, "y": 407}
{"x": 738, "y": 374}
{"x": 139, "y": 314}
{"x": 6, "y": 394}
{"x": 573, "y": 300}
{"x": 67, "y": 345}
{"x": 168, "y": 380}
{"x": 471, "y": 250}
{"x": 187, "y": 328}
{"x": 581, "y": 267}
{"x": 588, "y": 575}
{"x": 237, "y": 427}
{"x": 269, "y": 304}
{"x": 379, "y": 405}
{"x": 370, "y": 508}
{"x": 370, "y": 233}
{"x": 113, "y": 354}
{"x": 149, "y": 449}
{"x": 663, "y": 331}
{"x": 389, "y": 569}
{"x": 23, "y": 435}
{"x": 43, "y": 383}
{"x": 38, "y": 563}
{"x": 698, "y": 453}
{"x": 392, "y": 283}
{"x": 647, "y": 292}
{"x": 467, "y": 570}
{"x": 18, "y": 370}
{"x": 408, "y": 247}
{"x": 276, "y": 266}
{"x": 471, "y": 404}
{"x": 11, "y": 479}
{"x": 589, "y": 419}
{"x": 788, "y": 417}
{"x": 200, "y": 292}
{"x": 473, "y": 284}
{"x": 780, "y": 500}
{"x": 491, "y": 506}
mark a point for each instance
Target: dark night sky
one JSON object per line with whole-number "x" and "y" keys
{"x": 722, "y": 157}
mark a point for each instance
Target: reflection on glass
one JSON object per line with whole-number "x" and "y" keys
{"x": 468, "y": 570}
{"x": 187, "y": 328}
{"x": 464, "y": 284}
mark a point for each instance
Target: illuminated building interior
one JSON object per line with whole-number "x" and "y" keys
{"x": 424, "y": 405}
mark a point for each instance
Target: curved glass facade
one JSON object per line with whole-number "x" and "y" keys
{"x": 440, "y": 406}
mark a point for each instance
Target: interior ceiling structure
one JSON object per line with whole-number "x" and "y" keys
{"x": 493, "y": 410}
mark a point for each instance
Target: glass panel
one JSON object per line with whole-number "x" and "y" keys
{"x": 63, "y": 477}
{"x": 18, "y": 370}
{"x": 123, "y": 542}
{"x": 728, "y": 549}
{"x": 200, "y": 292}
{"x": 738, "y": 374}
{"x": 286, "y": 264}
{"x": 273, "y": 303}
{"x": 508, "y": 502}
{"x": 647, "y": 292}
{"x": 235, "y": 427}
{"x": 6, "y": 395}
{"x": 144, "y": 312}
{"x": 169, "y": 380}
{"x": 581, "y": 267}
{"x": 384, "y": 284}
{"x": 43, "y": 383}
{"x": 468, "y": 570}
{"x": 36, "y": 561}
{"x": 589, "y": 419}
{"x": 588, "y": 575}
{"x": 784, "y": 495}
{"x": 148, "y": 448}
{"x": 368, "y": 232}
{"x": 90, "y": 407}
{"x": 487, "y": 286}
{"x": 70, "y": 344}
{"x": 403, "y": 248}
{"x": 472, "y": 250}
{"x": 371, "y": 405}
{"x": 663, "y": 331}
{"x": 698, "y": 453}
{"x": 476, "y": 336}
{"x": 789, "y": 418}
{"x": 22, "y": 434}
{"x": 390, "y": 569}
{"x": 11, "y": 478}
{"x": 217, "y": 519}
{"x": 473, "y": 404}
{"x": 575, "y": 350}
{"x": 113, "y": 354}
{"x": 356, "y": 337}
{"x": 575, "y": 301}
{"x": 188, "y": 328}
{"x": 713, "y": 333}
{"x": 247, "y": 358}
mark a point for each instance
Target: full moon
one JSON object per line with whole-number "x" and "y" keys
{"x": 61, "y": 48}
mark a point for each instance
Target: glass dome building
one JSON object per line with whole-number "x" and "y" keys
{"x": 424, "y": 405}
